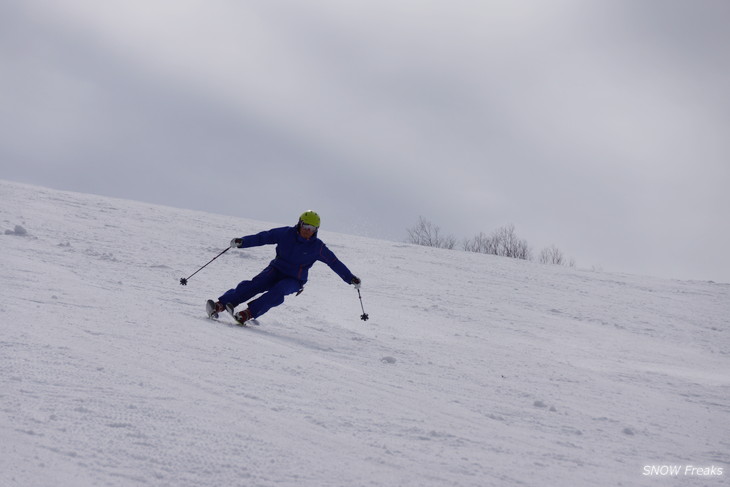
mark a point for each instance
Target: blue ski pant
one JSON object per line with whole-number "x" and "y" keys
{"x": 274, "y": 284}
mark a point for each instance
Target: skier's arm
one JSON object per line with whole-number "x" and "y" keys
{"x": 329, "y": 258}
{"x": 256, "y": 240}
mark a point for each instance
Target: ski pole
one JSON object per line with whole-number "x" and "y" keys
{"x": 364, "y": 316}
{"x": 184, "y": 281}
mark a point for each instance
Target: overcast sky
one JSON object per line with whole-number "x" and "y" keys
{"x": 600, "y": 126}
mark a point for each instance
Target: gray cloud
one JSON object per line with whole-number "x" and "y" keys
{"x": 599, "y": 126}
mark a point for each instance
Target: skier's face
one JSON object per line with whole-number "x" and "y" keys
{"x": 307, "y": 231}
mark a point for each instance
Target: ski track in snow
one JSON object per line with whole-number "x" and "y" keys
{"x": 472, "y": 371}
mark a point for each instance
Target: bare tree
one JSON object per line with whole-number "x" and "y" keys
{"x": 553, "y": 255}
{"x": 481, "y": 244}
{"x": 429, "y": 235}
{"x": 503, "y": 242}
{"x": 510, "y": 245}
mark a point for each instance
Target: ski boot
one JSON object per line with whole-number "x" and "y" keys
{"x": 242, "y": 316}
{"x": 213, "y": 308}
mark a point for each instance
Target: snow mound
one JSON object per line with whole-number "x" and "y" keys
{"x": 18, "y": 230}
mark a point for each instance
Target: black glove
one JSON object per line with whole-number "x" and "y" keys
{"x": 356, "y": 282}
{"x": 237, "y": 243}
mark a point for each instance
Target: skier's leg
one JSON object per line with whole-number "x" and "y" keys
{"x": 274, "y": 297}
{"x": 248, "y": 289}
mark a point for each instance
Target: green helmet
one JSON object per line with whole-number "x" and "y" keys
{"x": 310, "y": 218}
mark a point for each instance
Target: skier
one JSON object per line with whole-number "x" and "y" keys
{"x": 297, "y": 249}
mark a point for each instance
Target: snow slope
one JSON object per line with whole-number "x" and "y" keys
{"x": 473, "y": 370}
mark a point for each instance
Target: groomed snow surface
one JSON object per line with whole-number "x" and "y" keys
{"x": 473, "y": 370}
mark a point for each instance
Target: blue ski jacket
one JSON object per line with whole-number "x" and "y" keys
{"x": 295, "y": 254}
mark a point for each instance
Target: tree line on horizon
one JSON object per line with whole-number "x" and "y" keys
{"x": 502, "y": 242}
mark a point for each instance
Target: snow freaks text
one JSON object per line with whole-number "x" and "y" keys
{"x": 682, "y": 471}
